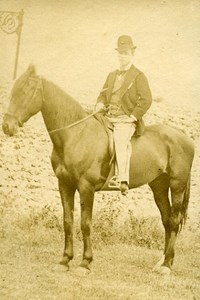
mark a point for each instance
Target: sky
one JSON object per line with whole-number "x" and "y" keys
{"x": 72, "y": 43}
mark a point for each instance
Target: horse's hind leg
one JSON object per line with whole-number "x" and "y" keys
{"x": 160, "y": 188}
{"x": 178, "y": 192}
{"x": 67, "y": 197}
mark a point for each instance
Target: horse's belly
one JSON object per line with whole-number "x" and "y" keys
{"x": 146, "y": 171}
{"x": 139, "y": 178}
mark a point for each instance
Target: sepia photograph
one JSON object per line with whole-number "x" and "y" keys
{"x": 99, "y": 149}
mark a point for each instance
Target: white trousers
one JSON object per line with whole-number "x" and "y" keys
{"x": 124, "y": 128}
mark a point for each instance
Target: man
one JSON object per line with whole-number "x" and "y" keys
{"x": 126, "y": 96}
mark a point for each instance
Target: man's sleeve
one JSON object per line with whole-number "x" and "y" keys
{"x": 144, "y": 96}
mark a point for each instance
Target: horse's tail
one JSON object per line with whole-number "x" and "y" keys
{"x": 185, "y": 203}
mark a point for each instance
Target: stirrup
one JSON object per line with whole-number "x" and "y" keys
{"x": 114, "y": 183}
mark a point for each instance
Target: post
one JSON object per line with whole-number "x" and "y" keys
{"x": 18, "y": 32}
{"x": 11, "y": 22}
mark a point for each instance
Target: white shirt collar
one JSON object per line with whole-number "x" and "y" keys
{"x": 127, "y": 67}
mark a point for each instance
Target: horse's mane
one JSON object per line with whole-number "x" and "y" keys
{"x": 66, "y": 108}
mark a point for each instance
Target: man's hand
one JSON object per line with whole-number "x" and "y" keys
{"x": 133, "y": 117}
{"x": 99, "y": 107}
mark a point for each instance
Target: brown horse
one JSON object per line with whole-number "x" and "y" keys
{"x": 162, "y": 157}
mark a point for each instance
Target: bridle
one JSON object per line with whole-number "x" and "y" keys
{"x": 38, "y": 87}
{"x": 41, "y": 88}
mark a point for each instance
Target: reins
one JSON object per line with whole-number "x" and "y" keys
{"x": 40, "y": 87}
{"x": 73, "y": 124}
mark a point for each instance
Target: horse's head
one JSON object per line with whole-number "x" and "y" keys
{"x": 26, "y": 100}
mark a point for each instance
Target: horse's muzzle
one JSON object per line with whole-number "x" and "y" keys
{"x": 10, "y": 128}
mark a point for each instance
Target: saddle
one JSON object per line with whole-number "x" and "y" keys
{"x": 109, "y": 130}
{"x": 111, "y": 181}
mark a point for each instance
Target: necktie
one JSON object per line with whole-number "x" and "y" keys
{"x": 121, "y": 72}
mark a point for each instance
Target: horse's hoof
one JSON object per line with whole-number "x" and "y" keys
{"x": 81, "y": 271}
{"x": 159, "y": 264}
{"x": 64, "y": 262}
{"x": 163, "y": 270}
{"x": 60, "y": 268}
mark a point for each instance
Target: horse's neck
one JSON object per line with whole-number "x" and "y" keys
{"x": 59, "y": 109}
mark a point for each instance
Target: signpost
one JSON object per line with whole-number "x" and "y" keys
{"x": 11, "y": 22}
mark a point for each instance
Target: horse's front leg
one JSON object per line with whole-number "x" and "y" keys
{"x": 67, "y": 196}
{"x": 86, "y": 201}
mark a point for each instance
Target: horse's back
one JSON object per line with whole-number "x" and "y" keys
{"x": 160, "y": 133}
{"x": 159, "y": 150}
{"x": 164, "y": 141}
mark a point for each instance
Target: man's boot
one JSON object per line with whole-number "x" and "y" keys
{"x": 124, "y": 187}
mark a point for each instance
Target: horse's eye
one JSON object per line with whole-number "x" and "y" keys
{"x": 28, "y": 88}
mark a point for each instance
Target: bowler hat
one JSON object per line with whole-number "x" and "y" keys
{"x": 125, "y": 43}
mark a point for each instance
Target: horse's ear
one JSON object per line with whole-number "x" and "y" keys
{"x": 31, "y": 70}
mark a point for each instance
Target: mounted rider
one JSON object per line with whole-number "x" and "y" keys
{"x": 126, "y": 97}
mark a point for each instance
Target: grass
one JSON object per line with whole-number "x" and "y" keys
{"x": 138, "y": 231}
{"x": 119, "y": 272}
{"x": 32, "y": 244}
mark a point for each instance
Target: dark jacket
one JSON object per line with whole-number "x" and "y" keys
{"x": 135, "y": 94}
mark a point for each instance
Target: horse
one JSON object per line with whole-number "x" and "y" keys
{"x": 162, "y": 158}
